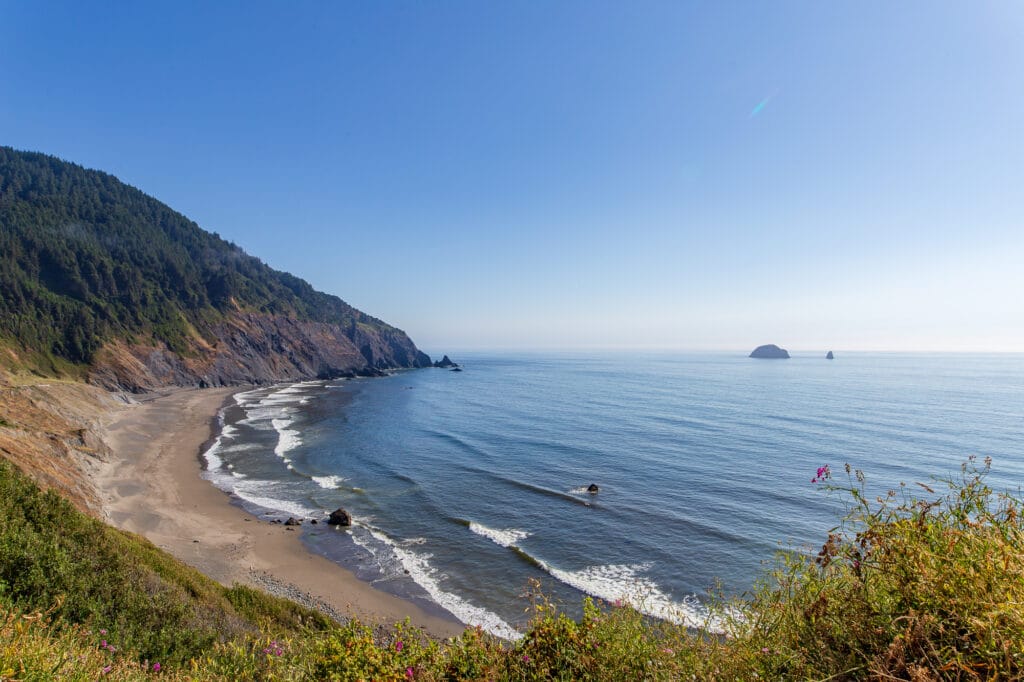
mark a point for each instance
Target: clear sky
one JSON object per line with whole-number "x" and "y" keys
{"x": 694, "y": 175}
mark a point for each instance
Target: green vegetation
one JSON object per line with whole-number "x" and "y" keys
{"x": 906, "y": 588}
{"x": 85, "y": 258}
{"x": 83, "y": 571}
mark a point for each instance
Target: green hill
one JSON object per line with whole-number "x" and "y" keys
{"x": 99, "y": 278}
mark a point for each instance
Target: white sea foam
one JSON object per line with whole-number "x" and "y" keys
{"x": 261, "y": 408}
{"x": 252, "y": 494}
{"x": 213, "y": 461}
{"x": 328, "y": 482}
{"x": 243, "y": 399}
{"x": 289, "y": 394}
{"x": 287, "y": 439}
{"x": 242, "y": 447}
{"x": 261, "y": 417}
{"x": 427, "y": 577}
{"x": 626, "y": 584}
{"x": 509, "y": 537}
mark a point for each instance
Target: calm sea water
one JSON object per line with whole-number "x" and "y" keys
{"x": 464, "y": 486}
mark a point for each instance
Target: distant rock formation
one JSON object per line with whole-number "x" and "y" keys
{"x": 829, "y": 356}
{"x": 770, "y": 352}
{"x": 445, "y": 362}
{"x": 593, "y": 488}
{"x": 456, "y": 369}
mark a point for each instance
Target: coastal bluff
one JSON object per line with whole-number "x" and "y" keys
{"x": 106, "y": 283}
{"x": 770, "y": 352}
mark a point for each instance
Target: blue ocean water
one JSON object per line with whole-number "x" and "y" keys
{"x": 464, "y": 486}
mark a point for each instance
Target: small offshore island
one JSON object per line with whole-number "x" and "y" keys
{"x": 770, "y": 352}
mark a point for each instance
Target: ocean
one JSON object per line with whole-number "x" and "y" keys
{"x": 467, "y": 486}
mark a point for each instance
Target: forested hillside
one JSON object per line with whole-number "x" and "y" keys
{"x": 95, "y": 274}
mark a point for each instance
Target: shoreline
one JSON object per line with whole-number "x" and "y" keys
{"x": 152, "y": 485}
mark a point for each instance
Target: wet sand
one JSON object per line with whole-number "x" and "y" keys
{"x": 152, "y": 486}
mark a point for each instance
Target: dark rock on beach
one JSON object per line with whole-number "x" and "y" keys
{"x": 339, "y": 517}
{"x": 292, "y": 521}
{"x": 829, "y": 356}
{"x": 770, "y": 352}
{"x": 593, "y": 488}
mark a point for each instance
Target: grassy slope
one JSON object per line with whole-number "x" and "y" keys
{"x": 906, "y": 588}
{"x": 83, "y": 571}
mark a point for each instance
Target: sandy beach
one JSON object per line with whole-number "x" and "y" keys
{"x": 152, "y": 486}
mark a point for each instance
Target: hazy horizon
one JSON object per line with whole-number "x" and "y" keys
{"x": 576, "y": 175}
{"x": 798, "y": 353}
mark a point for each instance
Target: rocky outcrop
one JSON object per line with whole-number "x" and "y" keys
{"x": 829, "y": 356}
{"x": 52, "y": 432}
{"x": 445, "y": 362}
{"x": 255, "y": 348}
{"x": 593, "y": 488}
{"x": 339, "y": 517}
{"x": 770, "y": 352}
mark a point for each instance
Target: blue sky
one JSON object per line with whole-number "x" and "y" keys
{"x": 693, "y": 175}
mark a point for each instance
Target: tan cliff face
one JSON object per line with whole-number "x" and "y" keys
{"x": 254, "y": 348}
{"x": 50, "y": 429}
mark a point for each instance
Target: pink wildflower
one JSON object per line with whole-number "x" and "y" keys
{"x": 409, "y": 672}
{"x": 526, "y": 658}
{"x": 103, "y": 644}
{"x": 103, "y": 632}
{"x": 399, "y": 645}
{"x": 156, "y": 667}
{"x": 107, "y": 669}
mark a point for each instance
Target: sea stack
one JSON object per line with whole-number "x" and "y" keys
{"x": 829, "y": 356}
{"x": 770, "y": 352}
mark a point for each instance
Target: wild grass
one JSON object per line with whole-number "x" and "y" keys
{"x": 923, "y": 583}
{"x": 56, "y": 559}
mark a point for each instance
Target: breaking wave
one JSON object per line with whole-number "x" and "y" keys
{"x": 509, "y": 537}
